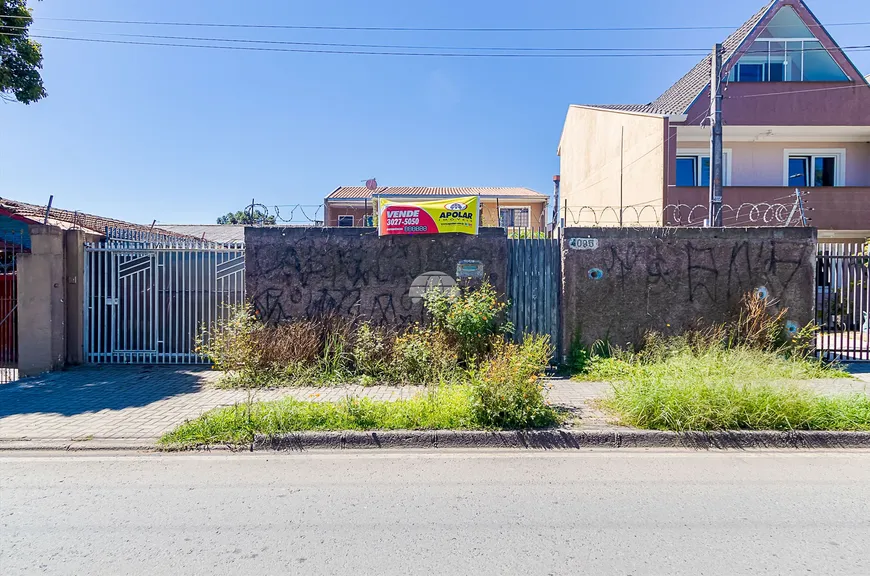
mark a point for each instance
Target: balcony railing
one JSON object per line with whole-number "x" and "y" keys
{"x": 840, "y": 208}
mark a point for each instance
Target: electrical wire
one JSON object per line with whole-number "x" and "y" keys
{"x": 407, "y": 29}
{"x": 365, "y": 52}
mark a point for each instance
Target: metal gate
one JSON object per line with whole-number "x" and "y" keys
{"x": 146, "y": 302}
{"x": 534, "y": 280}
{"x": 843, "y": 302}
{"x": 14, "y": 242}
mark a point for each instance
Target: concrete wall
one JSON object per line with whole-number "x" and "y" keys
{"x": 293, "y": 273}
{"x": 51, "y": 300}
{"x": 74, "y": 262}
{"x": 591, "y": 169}
{"x": 666, "y": 279}
{"x": 41, "y": 303}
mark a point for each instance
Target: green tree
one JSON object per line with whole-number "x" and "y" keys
{"x": 245, "y": 217}
{"x": 20, "y": 57}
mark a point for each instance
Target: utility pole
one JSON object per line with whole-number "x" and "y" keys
{"x": 716, "y": 155}
{"x": 557, "y": 220}
{"x": 621, "y": 170}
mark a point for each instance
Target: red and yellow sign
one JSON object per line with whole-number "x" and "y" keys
{"x": 428, "y": 217}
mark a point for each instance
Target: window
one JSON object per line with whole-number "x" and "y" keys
{"x": 513, "y": 217}
{"x": 693, "y": 168}
{"x": 786, "y": 51}
{"x": 808, "y": 168}
{"x": 345, "y": 221}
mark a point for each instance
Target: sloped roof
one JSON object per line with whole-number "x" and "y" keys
{"x": 68, "y": 219}
{"x": 218, "y": 233}
{"x": 363, "y": 193}
{"x": 678, "y": 98}
{"x": 642, "y": 108}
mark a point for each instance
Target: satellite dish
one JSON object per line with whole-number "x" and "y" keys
{"x": 372, "y": 184}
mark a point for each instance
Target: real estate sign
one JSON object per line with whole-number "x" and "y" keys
{"x": 428, "y": 216}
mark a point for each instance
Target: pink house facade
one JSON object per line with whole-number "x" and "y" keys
{"x": 796, "y": 117}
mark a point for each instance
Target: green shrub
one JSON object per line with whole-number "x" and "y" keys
{"x": 423, "y": 356}
{"x": 472, "y": 317}
{"x": 507, "y": 391}
{"x": 231, "y": 343}
{"x": 372, "y": 351}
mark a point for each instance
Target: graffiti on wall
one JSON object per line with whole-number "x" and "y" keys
{"x": 698, "y": 271}
{"x": 311, "y": 276}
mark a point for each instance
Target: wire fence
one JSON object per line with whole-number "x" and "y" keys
{"x": 531, "y": 221}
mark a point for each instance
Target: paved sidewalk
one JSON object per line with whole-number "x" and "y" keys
{"x": 143, "y": 402}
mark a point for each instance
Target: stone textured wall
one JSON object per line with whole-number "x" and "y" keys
{"x": 665, "y": 279}
{"x": 294, "y": 273}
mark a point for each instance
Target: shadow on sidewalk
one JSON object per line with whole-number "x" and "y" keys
{"x": 94, "y": 388}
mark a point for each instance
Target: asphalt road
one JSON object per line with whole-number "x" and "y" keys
{"x": 436, "y": 513}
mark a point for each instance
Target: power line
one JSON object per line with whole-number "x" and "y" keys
{"x": 682, "y": 51}
{"x": 406, "y": 29}
{"x": 699, "y": 51}
{"x": 503, "y": 52}
{"x": 361, "y": 52}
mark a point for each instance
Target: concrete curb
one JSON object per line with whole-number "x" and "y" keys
{"x": 561, "y": 440}
{"x": 101, "y": 444}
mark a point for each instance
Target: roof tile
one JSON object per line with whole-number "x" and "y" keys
{"x": 363, "y": 193}
{"x": 62, "y": 218}
{"x": 678, "y": 98}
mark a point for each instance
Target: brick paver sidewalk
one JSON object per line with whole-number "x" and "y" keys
{"x": 143, "y": 402}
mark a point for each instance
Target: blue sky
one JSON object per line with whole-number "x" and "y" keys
{"x": 183, "y": 135}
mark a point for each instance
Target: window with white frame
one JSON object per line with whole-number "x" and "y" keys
{"x": 787, "y": 51}
{"x": 345, "y": 221}
{"x": 813, "y": 168}
{"x": 693, "y": 168}
{"x": 514, "y": 217}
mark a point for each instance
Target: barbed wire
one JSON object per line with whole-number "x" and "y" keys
{"x": 779, "y": 212}
{"x": 299, "y": 213}
{"x": 762, "y": 214}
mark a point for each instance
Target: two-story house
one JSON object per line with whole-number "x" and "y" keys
{"x": 796, "y": 117}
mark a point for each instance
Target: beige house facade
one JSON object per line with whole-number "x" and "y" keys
{"x": 500, "y": 207}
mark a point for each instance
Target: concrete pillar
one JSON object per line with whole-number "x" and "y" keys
{"x": 41, "y": 309}
{"x": 74, "y": 258}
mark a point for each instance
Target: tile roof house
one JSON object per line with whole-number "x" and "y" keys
{"x": 796, "y": 116}
{"x": 506, "y": 207}
{"x": 16, "y": 217}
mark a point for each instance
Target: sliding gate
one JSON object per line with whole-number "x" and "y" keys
{"x": 843, "y": 302}
{"x": 147, "y": 302}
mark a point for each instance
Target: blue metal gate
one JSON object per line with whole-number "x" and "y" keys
{"x": 534, "y": 279}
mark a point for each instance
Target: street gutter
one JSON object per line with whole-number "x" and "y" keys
{"x": 558, "y": 439}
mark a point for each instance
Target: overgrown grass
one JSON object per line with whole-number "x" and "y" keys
{"x": 732, "y": 405}
{"x": 712, "y": 365}
{"x": 446, "y": 408}
{"x": 726, "y": 389}
{"x": 741, "y": 375}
